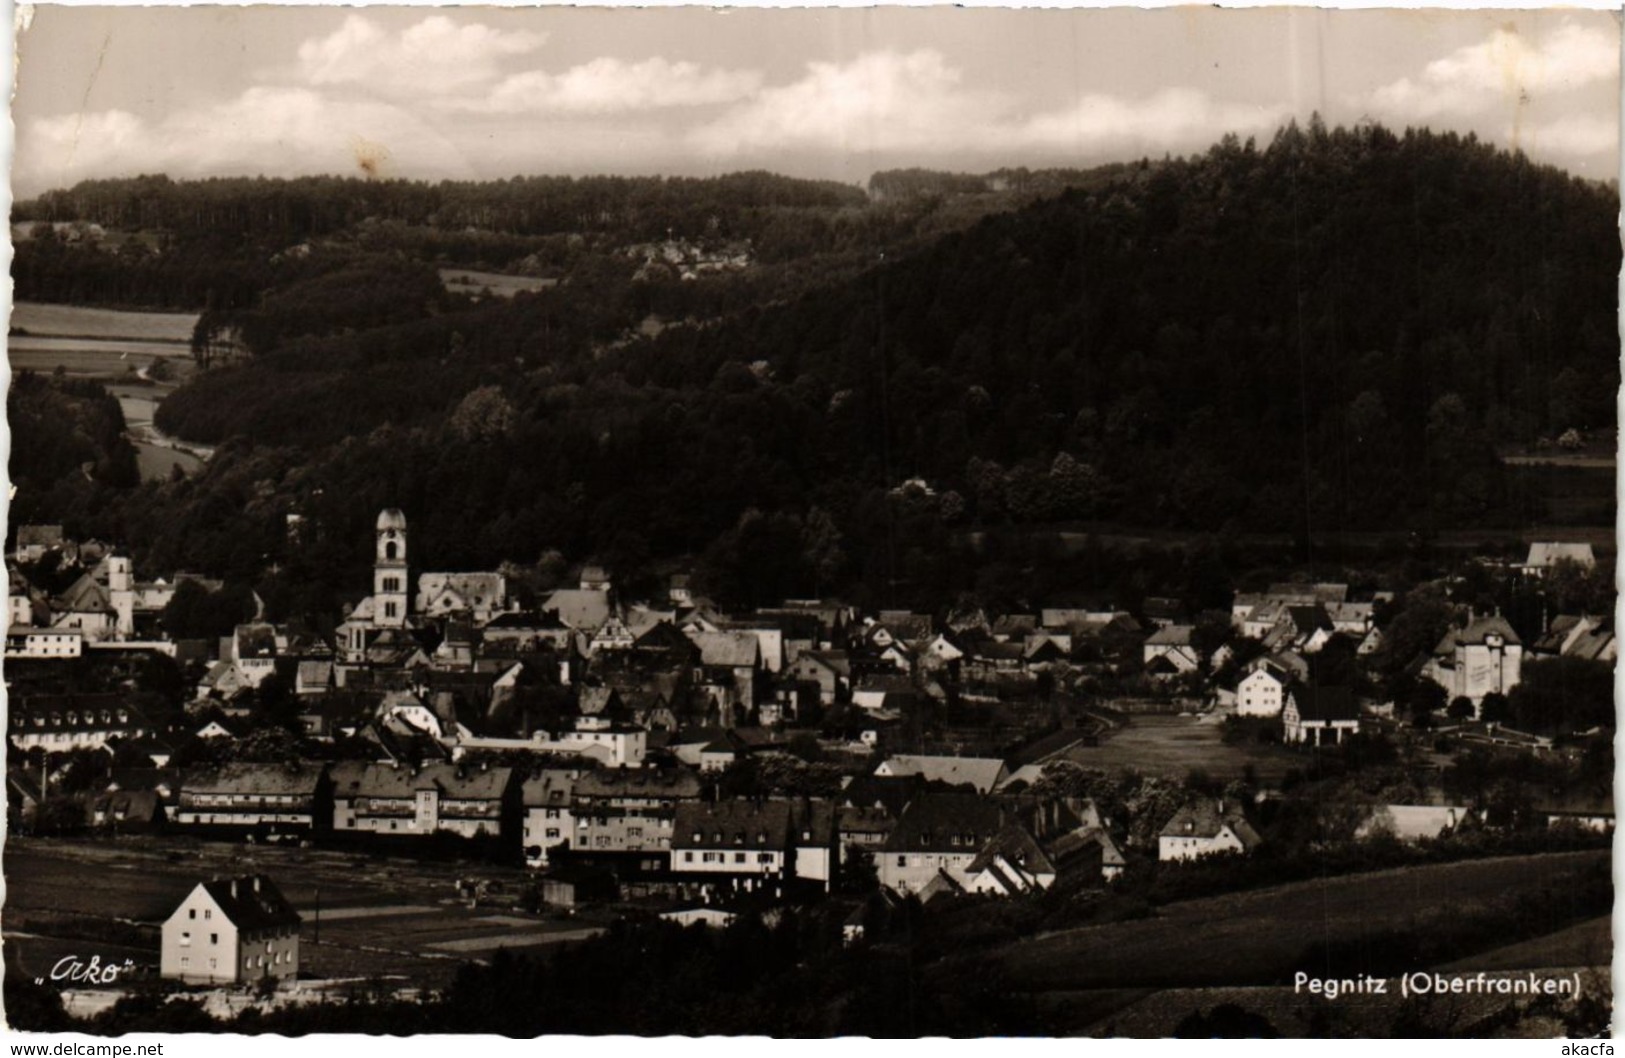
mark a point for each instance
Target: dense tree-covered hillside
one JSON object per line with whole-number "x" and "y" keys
{"x": 1334, "y": 331}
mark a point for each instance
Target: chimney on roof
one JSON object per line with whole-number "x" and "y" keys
{"x": 234, "y": 888}
{"x": 256, "y": 883}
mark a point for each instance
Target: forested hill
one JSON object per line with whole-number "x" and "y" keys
{"x": 1347, "y": 319}
{"x": 287, "y": 211}
{"x": 1332, "y": 332}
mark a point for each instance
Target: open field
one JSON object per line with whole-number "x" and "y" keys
{"x": 157, "y": 462}
{"x": 1293, "y": 1013}
{"x": 468, "y": 281}
{"x": 1261, "y": 936}
{"x": 76, "y": 321}
{"x": 1175, "y": 745}
{"x": 100, "y": 357}
{"x": 1589, "y": 943}
{"x": 378, "y": 917}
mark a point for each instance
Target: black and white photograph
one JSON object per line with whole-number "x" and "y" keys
{"x": 890, "y": 522}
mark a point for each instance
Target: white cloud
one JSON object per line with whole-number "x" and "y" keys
{"x": 879, "y": 101}
{"x": 287, "y": 131}
{"x": 1506, "y": 68}
{"x": 1173, "y": 117}
{"x": 893, "y": 102}
{"x": 432, "y": 56}
{"x": 1574, "y": 135}
{"x": 609, "y": 85}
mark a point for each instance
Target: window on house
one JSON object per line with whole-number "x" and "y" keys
{"x": 739, "y": 857}
{"x": 191, "y": 912}
{"x": 688, "y": 857}
{"x": 214, "y": 938}
{"x": 902, "y": 861}
{"x": 186, "y": 939}
{"x": 186, "y": 960}
{"x": 208, "y": 913}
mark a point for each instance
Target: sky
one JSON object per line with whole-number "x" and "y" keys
{"x": 837, "y": 93}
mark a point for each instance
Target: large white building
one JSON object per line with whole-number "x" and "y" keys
{"x": 1486, "y": 657}
{"x": 1261, "y": 692}
{"x": 1205, "y": 828}
{"x": 231, "y": 931}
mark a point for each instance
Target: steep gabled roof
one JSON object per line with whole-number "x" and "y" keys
{"x": 579, "y": 608}
{"x": 549, "y": 788}
{"x": 1307, "y": 620}
{"x": 85, "y": 595}
{"x": 948, "y": 821}
{"x": 1546, "y": 554}
{"x": 255, "y": 779}
{"x": 891, "y": 793}
{"x": 1014, "y": 844}
{"x": 1171, "y": 636}
{"x": 734, "y": 824}
{"x": 728, "y": 649}
{"x": 1475, "y": 634}
{"x": 1325, "y": 704}
{"x": 253, "y": 903}
{"x": 639, "y": 783}
{"x": 1206, "y": 817}
{"x": 454, "y": 782}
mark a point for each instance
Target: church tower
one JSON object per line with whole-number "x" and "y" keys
{"x": 389, "y": 594}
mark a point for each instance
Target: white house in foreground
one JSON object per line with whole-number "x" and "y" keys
{"x": 232, "y": 931}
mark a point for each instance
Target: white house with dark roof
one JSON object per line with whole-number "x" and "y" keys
{"x": 1486, "y": 657}
{"x": 743, "y": 842}
{"x": 1204, "y": 828}
{"x": 58, "y": 723}
{"x": 23, "y": 641}
{"x": 476, "y": 596}
{"x": 626, "y": 743}
{"x": 1012, "y": 862}
{"x": 938, "y": 835}
{"x": 251, "y": 795}
{"x": 1173, "y": 643}
{"x": 630, "y": 811}
{"x": 1319, "y": 714}
{"x": 232, "y": 931}
{"x": 453, "y": 798}
{"x": 548, "y": 823}
{"x": 1262, "y": 692}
